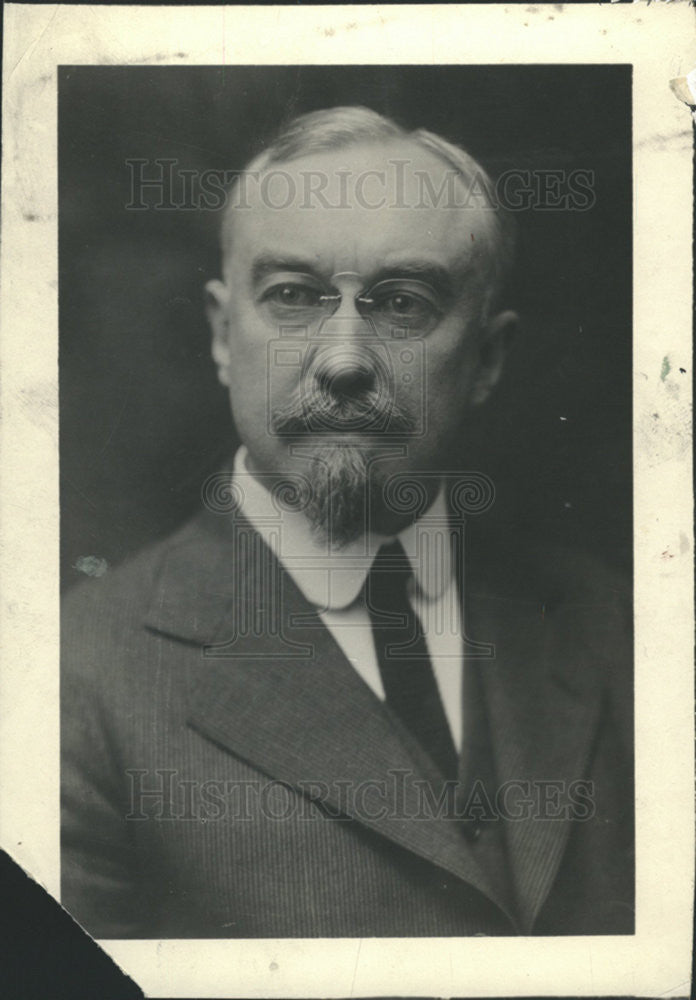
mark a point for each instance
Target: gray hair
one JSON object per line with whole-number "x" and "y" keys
{"x": 336, "y": 128}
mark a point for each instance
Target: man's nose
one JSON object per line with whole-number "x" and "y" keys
{"x": 345, "y": 361}
{"x": 344, "y": 371}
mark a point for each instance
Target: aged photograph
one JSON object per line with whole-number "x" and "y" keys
{"x": 346, "y": 500}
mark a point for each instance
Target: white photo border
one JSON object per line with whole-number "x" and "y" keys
{"x": 657, "y": 40}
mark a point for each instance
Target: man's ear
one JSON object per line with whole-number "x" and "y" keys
{"x": 217, "y": 297}
{"x": 495, "y": 341}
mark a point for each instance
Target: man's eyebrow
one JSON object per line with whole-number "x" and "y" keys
{"x": 268, "y": 263}
{"x": 433, "y": 274}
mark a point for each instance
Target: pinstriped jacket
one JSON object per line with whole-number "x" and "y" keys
{"x": 226, "y": 773}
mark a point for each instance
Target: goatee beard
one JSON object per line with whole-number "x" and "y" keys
{"x": 338, "y": 507}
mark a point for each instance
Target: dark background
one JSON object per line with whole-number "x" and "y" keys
{"x": 143, "y": 419}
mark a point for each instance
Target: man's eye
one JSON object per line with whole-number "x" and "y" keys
{"x": 292, "y": 296}
{"x": 406, "y": 305}
{"x": 401, "y": 303}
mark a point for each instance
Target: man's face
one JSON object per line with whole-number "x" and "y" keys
{"x": 352, "y": 339}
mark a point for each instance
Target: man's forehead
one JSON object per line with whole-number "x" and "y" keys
{"x": 373, "y": 155}
{"x": 353, "y": 207}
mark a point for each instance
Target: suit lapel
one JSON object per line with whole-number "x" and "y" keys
{"x": 275, "y": 689}
{"x": 542, "y": 694}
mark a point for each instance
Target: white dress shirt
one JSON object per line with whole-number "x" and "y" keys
{"x": 332, "y": 581}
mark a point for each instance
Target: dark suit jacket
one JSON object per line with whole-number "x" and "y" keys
{"x": 227, "y": 773}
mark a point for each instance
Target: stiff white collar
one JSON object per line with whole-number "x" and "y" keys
{"x": 333, "y": 580}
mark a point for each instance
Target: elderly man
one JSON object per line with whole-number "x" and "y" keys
{"x": 314, "y": 711}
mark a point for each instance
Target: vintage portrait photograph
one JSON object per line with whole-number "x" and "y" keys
{"x": 345, "y": 362}
{"x": 350, "y": 599}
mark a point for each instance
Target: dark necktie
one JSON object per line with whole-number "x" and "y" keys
{"x": 404, "y": 664}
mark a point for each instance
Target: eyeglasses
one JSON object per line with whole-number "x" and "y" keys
{"x": 394, "y": 307}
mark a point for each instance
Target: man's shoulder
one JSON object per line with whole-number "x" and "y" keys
{"x": 577, "y": 596}
{"x": 180, "y": 586}
{"x": 518, "y": 562}
{"x": 125, "y": 591}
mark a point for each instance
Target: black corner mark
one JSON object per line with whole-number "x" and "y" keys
{"x": 45, "y": 953}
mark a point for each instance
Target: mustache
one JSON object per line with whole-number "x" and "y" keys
{"x": 315, "y": 410}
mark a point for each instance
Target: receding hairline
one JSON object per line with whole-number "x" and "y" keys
{"x": 344, "y": 128}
